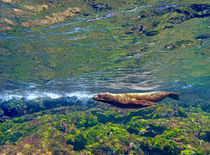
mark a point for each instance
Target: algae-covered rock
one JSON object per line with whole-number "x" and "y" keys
{"x": 64, "y": 130}
{"x": 8, "y": 21}
{"x": 36, "y": 8}
{"x": 187, "y": 152}
{"x": 53, "y": 18}
{"x": 110, "y": 137}
{"x": 78, "y": 141}
{"x": 101, "y": 7}
{"x": 7, "y": 1}
{"x": 205, "y": 135}
{"x": 5, "y": 28}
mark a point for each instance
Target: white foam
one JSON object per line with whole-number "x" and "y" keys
{"x": 8, "y": 97}
{"x": 52, "y": 95}
{"x": 80, "y": 95}
{"x": 187, "y": 86}
{"x": 33, "y": 95}
{"x": 40, "y": 95}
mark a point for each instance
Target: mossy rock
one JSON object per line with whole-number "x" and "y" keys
{"x": 151, "y": 33}
{"x": 78, "y": 141}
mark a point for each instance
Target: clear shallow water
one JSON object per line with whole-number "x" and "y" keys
{"x": 90, "y": 54}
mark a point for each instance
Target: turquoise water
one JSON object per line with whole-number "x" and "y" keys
{"x": 97, "y": 52}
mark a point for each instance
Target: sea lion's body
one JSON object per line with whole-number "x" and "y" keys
{"x": 135, "y": 99}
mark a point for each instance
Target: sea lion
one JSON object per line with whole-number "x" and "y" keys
{"x": 135, "y": 100}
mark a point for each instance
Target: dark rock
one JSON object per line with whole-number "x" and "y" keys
{"x": 10, "y": 112}
{"x": 200, "y": 7}
{"x": 128, "y": 32}
{"x": 177, "y": 20}
{"x": 1, "y": 113}
{"x": 142, "y": 16}
{"x": 180, "y": 114}
{"x": 51, "y": 2}
{"x": 178, "y": 44}
{"x": 79, "y": 142}
{"x": 155, "y": 24}
{"x": 202, "y": 10}
{"x": 152, "y": 33}
{"x": 126, "y": 25}
{"x": 187, "y": 13}
{"x": 134, "y": 28}
{"x": 86, "y": 14}
{"x": 133, "y": 130}
{"x": 204, "y": 36}
{"x": 205, "y": 135}
{"x": 201, "y": 16}
{"x": 141, "y": 28}
{"x": 21, "y": 107}
{"x": 153, "y": 131}
{"x": 101, "y": 7}
{"x": 181, "y": 42}
{"x": 193, "y": 11}
{"x": 168, "y": 27}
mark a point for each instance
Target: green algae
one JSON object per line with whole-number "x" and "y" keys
{"x": 86, "y": 131}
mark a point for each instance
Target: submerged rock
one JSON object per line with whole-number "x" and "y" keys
{"x": 101, "y": 7}
{"x": 8, "y": 21}
{"x": 204, "y": 36}
{"x": 200, "y": 7}
{"x": 151, "y": 33}
{"x": 36, "y": 8}
{"x": 7, "y": 1}
{"x": 5, "y": 28}
{"x": 132, "y": 100}
{"x": 53, "y": 18}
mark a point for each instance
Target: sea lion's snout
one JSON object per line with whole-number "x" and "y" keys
{"x": 98, "y": 97}
{"x": 95, "y": 97}
{"x": 101, "y": 97}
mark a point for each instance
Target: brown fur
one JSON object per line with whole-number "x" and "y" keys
{"x": 135, "y": 99}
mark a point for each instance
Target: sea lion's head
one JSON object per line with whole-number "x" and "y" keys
{"x": 102, "y": 97}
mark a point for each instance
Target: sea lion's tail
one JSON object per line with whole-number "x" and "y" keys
{"x": 174, "y": 95}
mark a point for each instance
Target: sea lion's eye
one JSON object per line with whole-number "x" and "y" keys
{"x": 99, "y": 95}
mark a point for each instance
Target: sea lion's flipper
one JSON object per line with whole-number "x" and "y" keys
{"x": 145, "y": 103}
{"x": 174, "y": 95}
{"x": 131, "y": 104}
